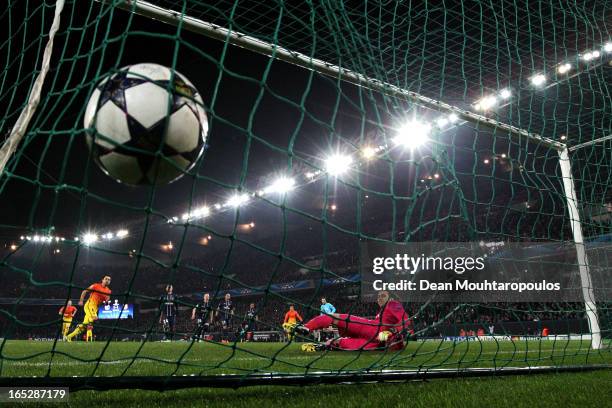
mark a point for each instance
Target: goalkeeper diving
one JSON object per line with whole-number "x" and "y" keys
{"x": 98, "y": 294}
{"x": 388, "y": 330}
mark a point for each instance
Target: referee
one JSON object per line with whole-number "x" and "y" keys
{"x": 167, "y": 316}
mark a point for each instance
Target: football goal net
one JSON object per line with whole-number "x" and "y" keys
{"x": 333, "y": 134}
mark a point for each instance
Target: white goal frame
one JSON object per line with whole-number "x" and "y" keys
{"x": 217, "y": 32}
{"x": 214, "y": 31}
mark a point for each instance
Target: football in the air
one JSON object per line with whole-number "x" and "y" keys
{"x": 145, "y": 126}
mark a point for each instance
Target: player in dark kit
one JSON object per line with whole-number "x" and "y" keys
{"x": 203, "y": 313}
{"x": 249, "y": 323}
{"x": 225, "y": 312}
{"x": 168, "y": 312}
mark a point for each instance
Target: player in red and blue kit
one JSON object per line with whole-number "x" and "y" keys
{"x": 387, "y": 330}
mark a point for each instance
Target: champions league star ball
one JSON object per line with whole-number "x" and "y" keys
{"x": 143, "y": 128}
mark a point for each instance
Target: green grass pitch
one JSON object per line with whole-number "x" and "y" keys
{"x": 29, "y": 358}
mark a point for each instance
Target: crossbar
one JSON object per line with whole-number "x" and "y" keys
{"x": 256, "y": 45}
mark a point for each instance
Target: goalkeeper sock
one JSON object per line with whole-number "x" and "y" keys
{"x": 319, "y": 322}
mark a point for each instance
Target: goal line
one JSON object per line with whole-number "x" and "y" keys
{"x": 312, "y": 378}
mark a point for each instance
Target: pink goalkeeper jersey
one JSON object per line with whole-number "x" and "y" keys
{"x": 393, "y": 317}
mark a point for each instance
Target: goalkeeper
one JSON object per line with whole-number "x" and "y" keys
{"x": 98, "y": 294}
{"x": 386, "y": 331}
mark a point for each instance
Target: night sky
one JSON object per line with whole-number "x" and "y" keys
{"x": 269, "y": 118}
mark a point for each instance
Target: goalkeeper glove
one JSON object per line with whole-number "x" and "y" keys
{"x": 383, "y": 336}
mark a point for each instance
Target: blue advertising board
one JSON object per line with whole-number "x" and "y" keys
{"x": 116, "y": 311}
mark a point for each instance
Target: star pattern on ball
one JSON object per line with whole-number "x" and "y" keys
{"x": 147, "y": 140}
{"x": 114, "y": 89}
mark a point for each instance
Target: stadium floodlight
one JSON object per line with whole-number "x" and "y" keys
{"x": 201, "y": 212}
{"x": 281, "y": 185}
{"x": 89, "y": 238}
{"x": 453, "y": 118}
{"x": 36, "y": 238}
{"x": 486, "y": 103}
{"x": 505, "y": 93}
{"x": 538, "y": 79}
{"x": 608, "y": 47}
{"x": 564, "y": 68}
{"x": 185, "y": 216}
{"x": 368, "y": 152}
{"x": 413, "y": 134}
{"x": 108, "y": 236}
{"x": 441, "y": 122}
{"x": 338, "y": 164}
{"x": 591, "y": 55}
{"x": 122, "y": 233}
{"x": 237, "y": 200}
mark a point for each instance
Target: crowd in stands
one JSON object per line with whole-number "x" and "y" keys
{"x": 219, "y": 271}
{"x": 429, "y": 320}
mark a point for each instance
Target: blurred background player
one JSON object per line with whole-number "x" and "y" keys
{"x": 67, "y": 312}
{"x": 225, "y": 312}
{"x": 167, "y": 316}
{"x": 387, "y": 330}
{"x": 98, "y": 294}
{"x": 89, "y": 335}
{"x": 327, "y": 308}
{"x": 292, "y": 317}
{"x": 249, "y": 323}
{"x": 203, "y": 312}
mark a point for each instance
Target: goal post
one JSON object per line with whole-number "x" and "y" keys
{"x": 276, "y": 51}
{"x": 9, "y": 146}
{"x": 583, "y": 261}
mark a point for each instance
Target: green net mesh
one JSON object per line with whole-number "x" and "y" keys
{"x": 473, "y": 181}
